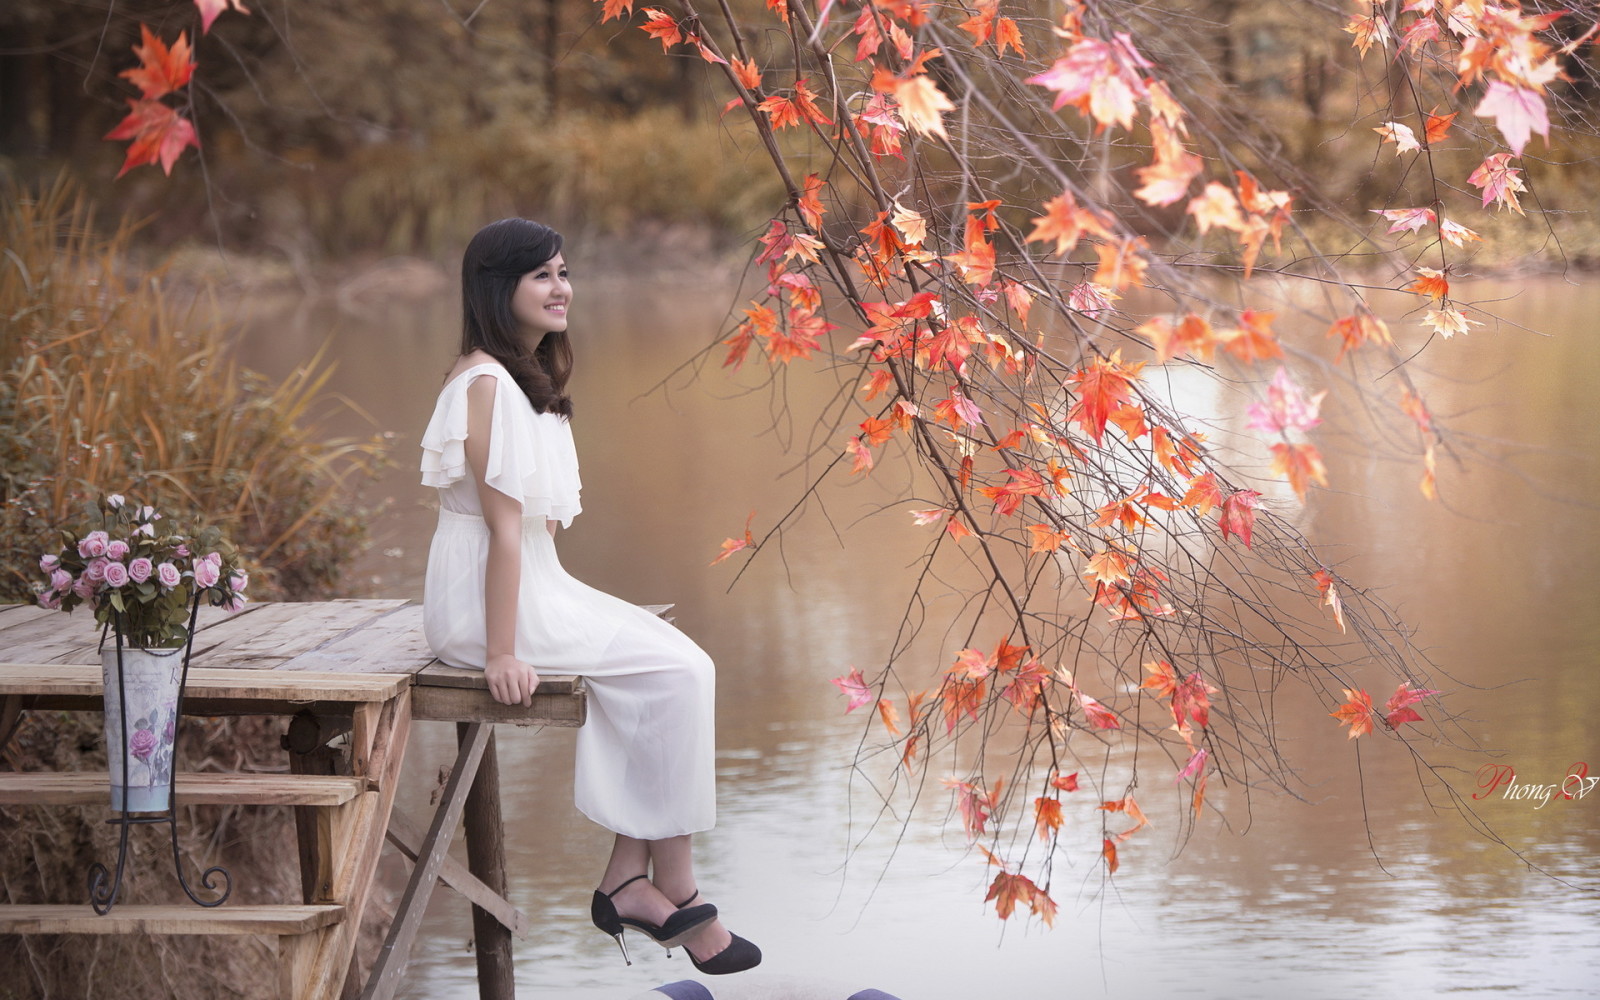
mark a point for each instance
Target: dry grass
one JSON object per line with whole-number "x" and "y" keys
{"x": 106, "y": 385}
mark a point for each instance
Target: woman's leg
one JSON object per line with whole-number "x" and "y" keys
{"x": 672, "y": 864}
{"x": 640, "y": 899}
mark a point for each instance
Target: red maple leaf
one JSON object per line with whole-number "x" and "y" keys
{"x": 158, "y": 132}
{"x": 1239, "y": 515}
{"x": 1399, "y": 705}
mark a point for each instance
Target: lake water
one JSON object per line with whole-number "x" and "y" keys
{"x": 1369, "y": 884}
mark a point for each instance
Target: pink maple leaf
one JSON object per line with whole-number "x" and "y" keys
{"x": 1517, "y": 111}
{"x": 855, "y": 686}
{"x": 1399, "y": 705}
{"x": 1408, "y": 219}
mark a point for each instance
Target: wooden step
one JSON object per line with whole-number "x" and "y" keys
{"x": 93, "y": 788}
{"x": 74, "y": 679}
{"x": 177, "y": 918}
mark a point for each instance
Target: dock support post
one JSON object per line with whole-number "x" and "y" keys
{"x": 486, "y": 859}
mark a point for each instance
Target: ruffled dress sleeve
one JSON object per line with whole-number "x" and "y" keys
{"x": 531, "y": 455}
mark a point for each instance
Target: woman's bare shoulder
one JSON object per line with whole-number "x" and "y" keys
{"x": 470, "y": 360}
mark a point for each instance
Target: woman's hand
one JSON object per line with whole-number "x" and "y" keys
{"x": 511, "y": 681}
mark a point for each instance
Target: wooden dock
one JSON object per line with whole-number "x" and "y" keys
{"x": 351, "y": 677}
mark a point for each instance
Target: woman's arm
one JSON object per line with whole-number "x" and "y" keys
{"x": 510, "y": 679}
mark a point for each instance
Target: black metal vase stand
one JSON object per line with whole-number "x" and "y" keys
{"x": 105, "y": 884}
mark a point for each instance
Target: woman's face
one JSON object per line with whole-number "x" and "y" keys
{"x": 539, "y": 303}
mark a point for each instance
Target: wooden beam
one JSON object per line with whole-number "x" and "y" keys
{"x": 396, "y": 950}
{"x": 85, "y": 679}
{"x": 208, "y": 788}
{"x": 405, "y": 835}
{"x": 10, "y": 718}
{"x": 442, "y": 704}
{"x": 177, "y": 918}
{"x": 486, "y": 858}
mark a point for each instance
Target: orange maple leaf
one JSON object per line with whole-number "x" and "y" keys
{"x": 1101, "y": 387}
{"x": 1204, "y": 493}
{"x": 890, "y": 716}
{"x": 1355, "y": 713}
{"x": 811, "y": 207}
{"x": 161, "y": 70}
{"x": 1065, "y": 222}
{"x": 1046, "y": 816}
{"x": 1252, "y": 339}
{"x": 1299, "y": 463}
{"x": 732, "y": 545}
{"x": 1432, "y": 283}
{"x": 1330, "y": 595}
{"x": 1046, "y": 540}
{"x": 1108, "y": 850}
{"x": 658, "y": 24}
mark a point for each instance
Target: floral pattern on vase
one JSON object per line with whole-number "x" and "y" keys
{"x": 150, "y": 681}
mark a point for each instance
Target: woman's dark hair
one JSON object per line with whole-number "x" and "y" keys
{"x": 496, "y": 259}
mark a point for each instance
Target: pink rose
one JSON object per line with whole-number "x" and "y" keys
{"x": 95, "y": 572}
{"x": 147, "y": 530}
{"x": 61, "y": 580}
{"x": 93, "y": 545}
{"x": 182, "y": 551}
{"x": 206, "y": 573}
{"x": 48, "y": 564}
{"x": 239, "y": 580}
{"x": 168, "y": 575}
{"x": 147, "y": 513}
{"x": 117, "y": 549}
{"x": 83, "y": 587}
{"x": 140, "y": 569}
{"x": 50, "y": 599}
{"x": 235, "y": 603}
{"x": 116, "y": 574}
{"x": 142, "y": 743}
{"x": 115, "y": 501}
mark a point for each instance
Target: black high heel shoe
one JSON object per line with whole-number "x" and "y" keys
{"x": 738, "y": 956}
{"x": 667, "y": 934}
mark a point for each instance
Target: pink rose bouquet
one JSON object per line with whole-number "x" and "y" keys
{"x": 139, "y": 571}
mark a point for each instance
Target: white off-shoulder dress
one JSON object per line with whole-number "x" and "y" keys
{"x": 645, "y": 756}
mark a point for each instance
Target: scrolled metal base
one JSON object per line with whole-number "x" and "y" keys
{"x": 104, "y": 883}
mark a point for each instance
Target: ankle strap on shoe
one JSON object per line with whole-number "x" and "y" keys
{"x": 630, "y": 881}
{"x": 689, "y": 900}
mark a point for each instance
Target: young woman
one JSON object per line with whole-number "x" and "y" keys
{"x": 500, "y": 451}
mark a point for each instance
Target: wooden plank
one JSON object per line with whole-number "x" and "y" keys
{"x": 12, "y": 615}
{"x": 391, "y": 642}
{"x": 363, "y": 838}
{"x": 447, "y": 704}
{"x": 396, "y": 950}
{"x": 439, "y": 675}
{"x": 209, "y": 682}
{"x": 181, "y": 918}
{"x": 295, "y": 955}
{"x": 407, "y": 836}
{"x": 75, "y": 638}
{"x": 279, "y": 632}
{"x": 92, "y": 788}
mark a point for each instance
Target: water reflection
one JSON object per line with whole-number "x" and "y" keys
{"x": 1371, "y": 879}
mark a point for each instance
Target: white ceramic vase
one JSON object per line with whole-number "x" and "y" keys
{"x": 150, "y": 682}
